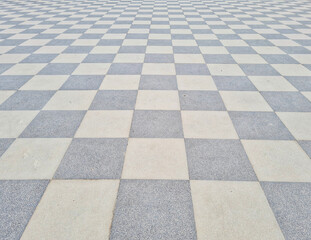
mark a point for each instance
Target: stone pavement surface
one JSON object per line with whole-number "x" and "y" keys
{"x": 155, "y": 119}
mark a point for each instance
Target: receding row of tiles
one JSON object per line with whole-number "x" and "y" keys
{"x": 155, "y": 82}
{"x": 153, "y": 158}
{"x": 148, "y": 209}
{"x": 156, "y": 100}
{"x": 156, "y": 124}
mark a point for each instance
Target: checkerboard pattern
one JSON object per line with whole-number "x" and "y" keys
{"x": 155, "y": 119}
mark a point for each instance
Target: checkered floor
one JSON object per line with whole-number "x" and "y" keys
{"x": 155, "y": 119}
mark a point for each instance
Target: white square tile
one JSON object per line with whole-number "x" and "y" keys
{"x": 271, "y": 83}
{"x": 45, "y": 82}
{"x": 233, "y": 210}
{"x": 208, "y": 124}
{"x": 157, "y": 100}
{"x": 244, "y": 101}
{"x": 74, "y": 209}
{"x": 120, "y": 82}
{"x": 69, "y": 58}
{"x": 71, "y": 100}
{"x": 268, "y": 50}
{"x": 158, "y": 69}
{"x": 302, "y": 58}
{"x": 4, "y": 95}
{"x": 292, "y": 69}
{"x": 248, "y": 58}
{"x": 12, "y": 58}
{"x": 298, "y": 123}
{"x": 105, "y": 124}
{"x": 25, "y": 69}
{"x": 33, "y": 158}
{"x": 148, "y": 158}
{"x": 92, "y": 69}
{"x": 186, "y": 82}
{"x": 12, "y": 123}
{"x": 225, "y": 70}
{"x": 274, "y": 161}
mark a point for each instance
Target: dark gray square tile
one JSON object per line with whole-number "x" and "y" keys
{"x": 132, "y": 49}
{"x": 186, "y": 49}
{"x": 233, "y": 83}
{"x": 258, "y": 70}
{"x": 156, "y": 124}
{"x": 201, "y": 100}
{"x": 57, "y": 124}
{"x": 306, "y": 146}
{"x": 153, "y": 209}
{"x": 13, "y": 82}
{"x": 191, "y": 69}
{"x": 19, "y": 200}
{"x": 23, "y": 49}
{"x": 218, "y": 160}
{"x": 158, "y": 82}
{"x": 99, "y": 58}
{"x": 218, "y": 58}
{"x": 4, "y": 67}
{"x": 93, "y": 158}
{"x": 125, "y": 68}
{"x": 58, "y": 69}
{"x": 259, "y": 125}
{"x": 301, "y": 83}
{"x": 83, "y": 82}
{"x": 5, "y": 144}
{"x": 114, "y": 100}
{"x": 27, "y": 100}
{"x": 159, "y": 58}
{"x": 279, "y": 59}
{"x": 291, "y": 203}
{"x": 39, "y": 58}
{"x": 287, "y": 101}
{"x": 78, "y": 49}
{"x": 241, "y": 50}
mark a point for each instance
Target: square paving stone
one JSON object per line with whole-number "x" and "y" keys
{"x": 61, "y": 124}
{"x": 114, "y": 100}
{"x": 158, "y": 82}
{"x": 156, "y": 124}
{"x": 259, "y": 125}
{"x": 218, "y": 160}
{"x": 12, "y": 82}
{"x": 201, "y": 100}
{"x": 291, "y": 203}
{"x": 18, "y": 202}
{"x": 84, "y": 207}
{"x": 233, "y": 83}
{"x": 153, "y": 209}
{"x": 125, "y": 68}
{"x": 27, "y": 100}
{"x": 287, "y": 101}
{"x": 93, "y": 158}
{"x": 83, "y": 82}
{"x": 59, "y": 69}
{"x": 258, "y": 70}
